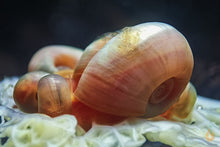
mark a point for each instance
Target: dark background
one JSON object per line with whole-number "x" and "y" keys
{"x": 26, "y": 26}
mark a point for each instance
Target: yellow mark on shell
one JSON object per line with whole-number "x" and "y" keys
{"x": 129, "y": 40}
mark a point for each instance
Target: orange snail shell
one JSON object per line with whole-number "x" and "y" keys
{"x": 25, "y": 91}
{"x": 89, "y": 52}
{"x": 54, "y": 58}
{"x": 140, "y": 72}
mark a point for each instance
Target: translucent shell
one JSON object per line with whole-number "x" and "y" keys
{"x": 54, "y": 96}
{"x": 54, "y": 58}
{"x": 181, "y": 110}
{"x": 25, "y": 91}
{"x": 140, "y": 72}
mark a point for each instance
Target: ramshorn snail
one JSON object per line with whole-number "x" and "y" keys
{"x": 55, "y": 57}
{"x": 139, "y": 71}
{"x": 25, "y": 91}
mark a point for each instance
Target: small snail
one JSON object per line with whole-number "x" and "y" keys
{"x": 54, "y": 96}
{"x": 138, "y": 72}
{"x": 54, "y": 58}
{"x": 25, "y": 91}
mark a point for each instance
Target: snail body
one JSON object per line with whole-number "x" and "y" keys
{"x": 138, "y": 72}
